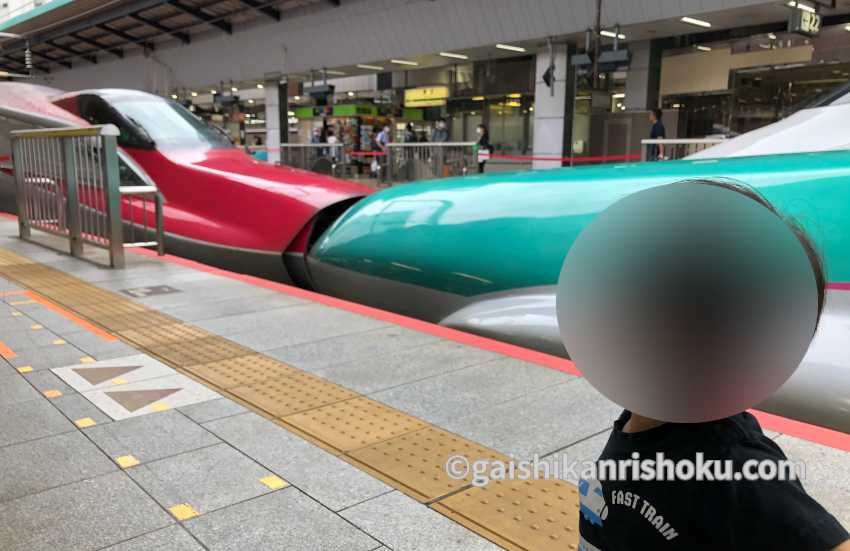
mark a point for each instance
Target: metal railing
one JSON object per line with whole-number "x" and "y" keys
{"x": 405, "y": 162}
{"x": 324, "y": 158}
{"x": 68, "y": 184}
{"x": 679, "y": 148}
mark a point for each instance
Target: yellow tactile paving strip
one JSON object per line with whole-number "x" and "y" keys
{"x": 407, "y": 453}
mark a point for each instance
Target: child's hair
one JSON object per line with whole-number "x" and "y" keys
{"x": 815, "y": 258}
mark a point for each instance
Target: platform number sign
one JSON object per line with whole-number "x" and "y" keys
{"x": 804, "y": 22}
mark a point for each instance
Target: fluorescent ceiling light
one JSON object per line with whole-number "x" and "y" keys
{"x": 290, "y": 113}
{"x": 403, "y": 62}
{"x": 370, "y": 67}
{"x": 335, "y": 73}
{"x": 771, "y": 36}
{"x": 297, "y": 98}
{"x": 478, "y": 98}
{"x": 696, "y": 22}
{"x": 618, "y": 96}
{"x": 453, "y": 55}
{"x": 801, "y": 6}
{"x": 251, "y": 101}
{"x": 260, "y": 86}
{"x": 702, "y": 48}
{"x": 213, "y": 92}
{"x": 515, "y": 95}
{"x": 234, "y": 89}
{"x": 847, "y": 28}
{"x": 350, "y": 94}
{"x": 194, "y": 94}
{"x": 173, "y": 96}
{"x": 510, "y": 48}
{"x": 612, "y": 34}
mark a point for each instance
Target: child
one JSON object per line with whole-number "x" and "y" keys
{"x": 633, "y": 512}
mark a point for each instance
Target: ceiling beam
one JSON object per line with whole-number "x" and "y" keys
{"x": 274, "y": 13}
{"x": 184, "y": 38}
{"x": 88, "y": 57}
{"x": 203, "y": 16}
{"x": 62, "y": 62}
{"x": 99, "y": 45}
{"x": 126, "y": 36}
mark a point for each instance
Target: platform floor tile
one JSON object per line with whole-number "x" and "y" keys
{"x": 291, "y": 394}
{"x": 328, "y": 479}
{"x": 150, "y": 396}
{"x": 241, "y": 371}
{"x": 15, "y": 390}
{"x": 212, "y": 409}
{"x": 207, "y": 479}
{"x": 151, "y": 437}
{"x": 375, "y": 374}
{"x": 540, "y": 422}
{"x": 286, "y": 519}
{"x": 112, "y": 373}
{"x": 83, "y": 516}
{"x": 48, "y": 357}
{"x": 77, "y": 408}
{"x": 532, "y": 515}
{"x": 453, "y": 395}
{"x": 353, "y": 424}
{"x": 171, "y": 538}
{"x": 46, "y": 463}
{"x": 30, "y": 420}
{"x": 363, "y": 346}
{"x": 416, "y": 462}
{"x": 405, "y": 524}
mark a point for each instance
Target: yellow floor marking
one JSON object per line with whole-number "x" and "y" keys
{"x": 119, "y": 381}
{"x": 274, "y": 482}
{"x": 59, "y": 341}
{"x": 53, "y": 393}
{"x": 19, "y": 302}
{"x": 17, "y": 314}
{"x": 160, "y": 407}
{"x": 85, "y": 422}
{"x": 183, "y": 511}
{"x": 87, "y": 360}
{"x": 126, "y": 461}
{"x": 25, "y": 369}
{"x": 36, "y": 327}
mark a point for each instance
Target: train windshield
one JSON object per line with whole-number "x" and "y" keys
{"x": 168, "y": 124}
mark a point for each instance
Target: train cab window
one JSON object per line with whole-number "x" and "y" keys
{"x": 97, "y": 111}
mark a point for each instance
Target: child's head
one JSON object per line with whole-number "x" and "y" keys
{"x": 690, "y": 301}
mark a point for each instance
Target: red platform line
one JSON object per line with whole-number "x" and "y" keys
{"x": 805, "y": 431}
{"x": 7, "y": 352}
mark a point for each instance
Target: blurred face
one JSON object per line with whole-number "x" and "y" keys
{"x": 479, "y": 130}
{"x": 652, "y": 118}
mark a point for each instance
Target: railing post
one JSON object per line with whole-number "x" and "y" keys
{"x": 72, "y": 205}
{"x": 19, "y": 163}
{"x": 112, "y": 179}
{"x": 160, "y": 231}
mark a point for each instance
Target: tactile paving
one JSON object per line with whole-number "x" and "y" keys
{"x": 353, "y": 424}
{"x": 143, "y": 318}
{"x": 416, "y": 462}
{"x": 201, "y": 351}
{"x": 154, "y": 335}
{"x": 533, "y": 515}
{"x": 287, "y": 395}
{"x": 241, "y": 371}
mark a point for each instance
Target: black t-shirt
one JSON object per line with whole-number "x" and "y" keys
{"x": 638, "y": 514}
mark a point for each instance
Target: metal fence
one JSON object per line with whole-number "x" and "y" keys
{"x": 69, "y": 184}
{"x": 680, "y": 148}
{"x": 405, "y": 162}
{"x": 324, "y": 158}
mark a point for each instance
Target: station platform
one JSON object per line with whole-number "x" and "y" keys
{"x": 173, "y": 406}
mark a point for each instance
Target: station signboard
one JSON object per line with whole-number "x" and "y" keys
{"x": 804, "y": 22}
{"x": 426, "y": 96}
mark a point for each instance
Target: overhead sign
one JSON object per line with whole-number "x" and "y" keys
{"x": 804, "y": 22}
{"x": 426, "y": 96}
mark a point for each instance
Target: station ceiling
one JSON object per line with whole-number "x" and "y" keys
{"x": 84, "y": 31}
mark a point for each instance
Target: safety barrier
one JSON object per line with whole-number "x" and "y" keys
{"x": 680, "y": 148}
{"x": 69, "y": 184}
{"x": 405, "y": 162}
{"x": 324, "y": 158}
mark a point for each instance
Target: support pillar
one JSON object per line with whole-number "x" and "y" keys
{"x": 643, "y": 81}
{"x": 553, "y": 107}
{"x": 275, "y": 113}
